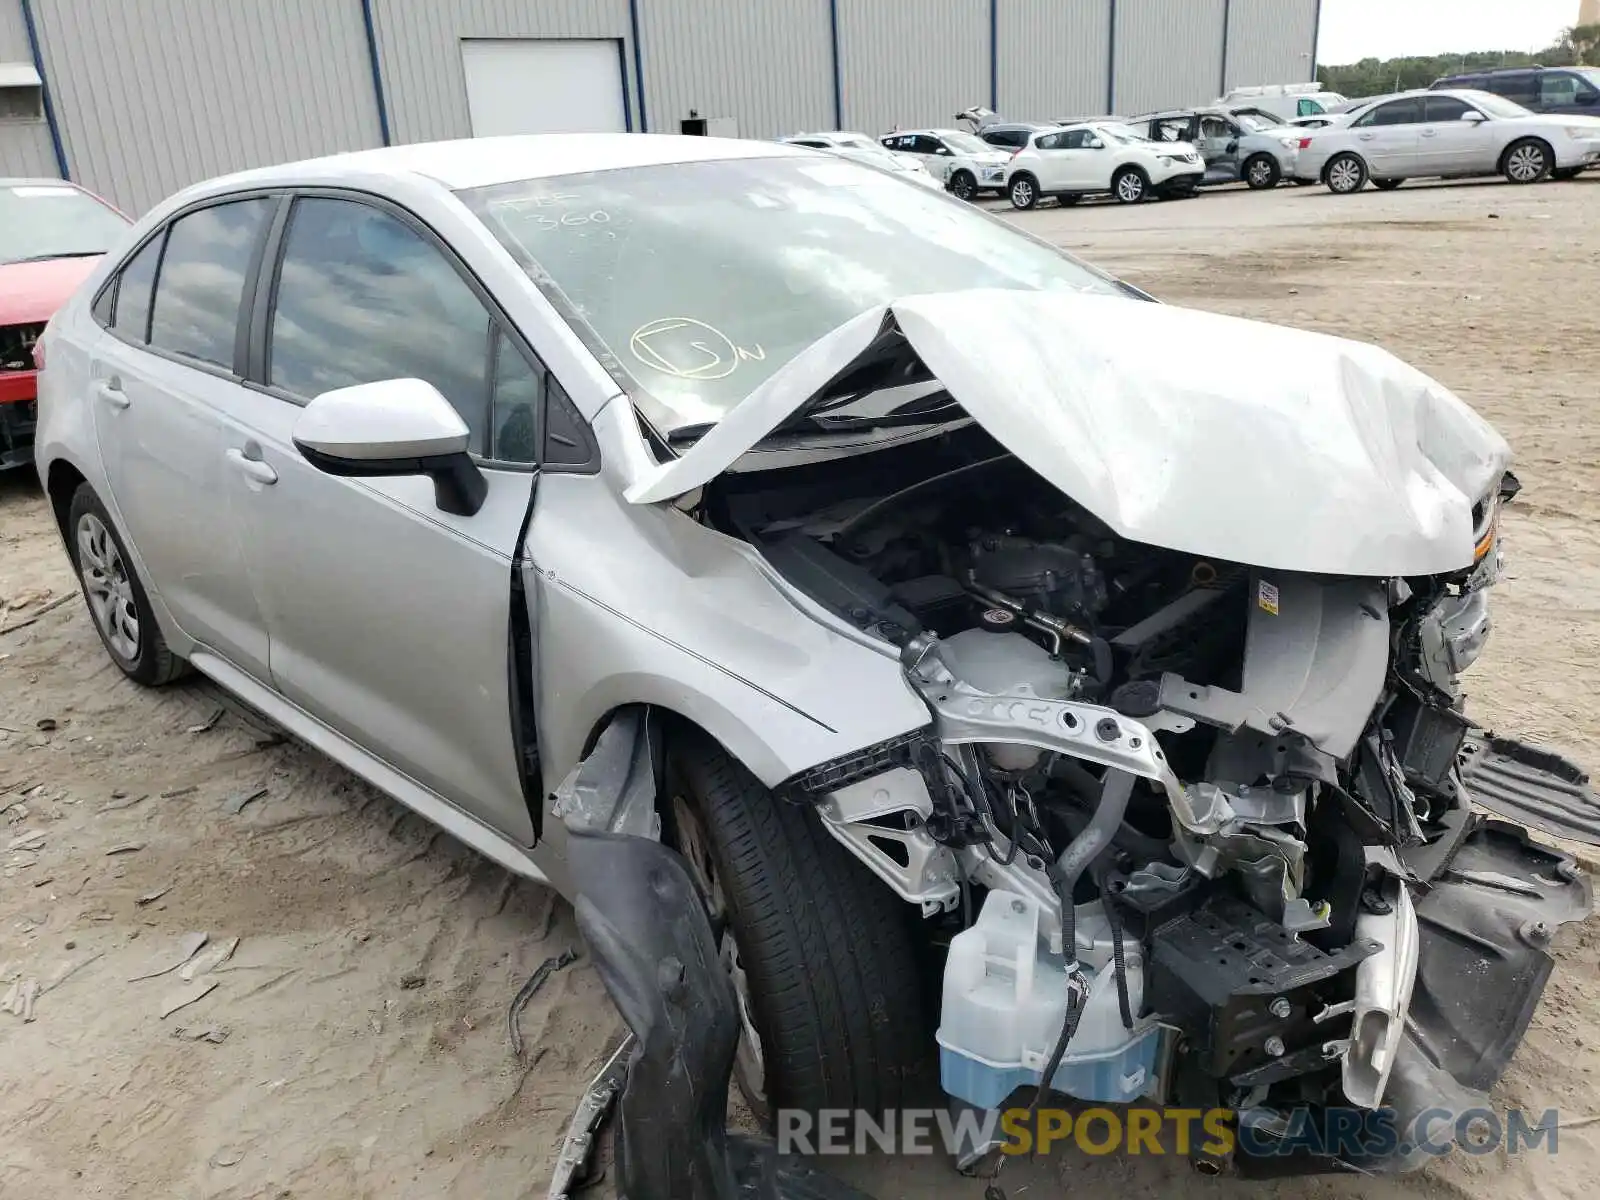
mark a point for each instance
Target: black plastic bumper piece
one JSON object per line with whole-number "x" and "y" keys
{"x": 652, "y": 945}
{"x": 1534, "y": 787}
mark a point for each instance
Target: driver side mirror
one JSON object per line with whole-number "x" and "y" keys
{"x": 943, "y": 150}
{"x": 1232, "y": 146}
{"x": 1095, "y": 144}
{"x": 393, "y": 427}
{"x": 1473, "y": 116}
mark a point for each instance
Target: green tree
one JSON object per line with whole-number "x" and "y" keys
{"x": 1579, "y": 46}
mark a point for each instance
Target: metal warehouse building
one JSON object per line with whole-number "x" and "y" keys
{"x": 135, "y": 98}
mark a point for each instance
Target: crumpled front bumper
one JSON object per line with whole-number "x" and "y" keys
{"x": 1490, "y": 903}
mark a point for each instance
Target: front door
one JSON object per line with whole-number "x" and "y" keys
{"x": 1449, "y": 143}
{"x": 1218, "y": 143}
{"x": 390, "y": 619}
{"x": 163, "y": 384}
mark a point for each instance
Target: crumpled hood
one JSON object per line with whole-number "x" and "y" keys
{"x": 1210, "y": 435}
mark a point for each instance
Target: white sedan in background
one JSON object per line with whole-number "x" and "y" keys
{"x": 1447, "y": 134}
{"x": 858, "y": 147}
{"x": 1096, "y": 158}
{"x": 966, "y": 165}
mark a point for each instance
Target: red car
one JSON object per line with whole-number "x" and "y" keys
{"x": 51, "y": 234}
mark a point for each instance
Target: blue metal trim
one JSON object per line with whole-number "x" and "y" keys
{"x": 1111, "y": 61}
{"x": 377, "y": 71}
{"x": 838, "y": 69}
{"x": 44, "y": 89}
{"x": 1227, "y": 15}
{"x": 638, "y": 63}
{"x": 1316, "y": 36}
{"x": 622, "y": 74}
{"x": 994, "y": 55}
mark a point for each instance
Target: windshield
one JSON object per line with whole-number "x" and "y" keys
{"x": 1121, "y": 133}
{"x": 45, "y": 220}
{"x": 693, "y": 282}
{"x": 1496, "y": 106}
{"x": 966, "y": 143}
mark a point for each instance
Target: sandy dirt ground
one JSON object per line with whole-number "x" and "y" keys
{"x": 354, "y": 1043}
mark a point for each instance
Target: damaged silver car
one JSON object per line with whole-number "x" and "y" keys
{"x": 904, "y": 663}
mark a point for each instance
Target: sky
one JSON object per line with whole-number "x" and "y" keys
{"x": 1355, "y": 29}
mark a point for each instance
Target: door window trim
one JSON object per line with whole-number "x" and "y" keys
{"x": 246, "y": 296}
{"x": 263, "y": 304}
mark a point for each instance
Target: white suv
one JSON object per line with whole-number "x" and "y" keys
{"x": 1100, "y": 157}
{"x": 966, "y": 165}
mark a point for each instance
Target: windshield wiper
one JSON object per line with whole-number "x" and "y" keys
{"x": 60, "y": 254}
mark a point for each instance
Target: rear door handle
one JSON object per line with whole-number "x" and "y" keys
{"x": 252, "y": 468}
{"x": 110, "y": 390}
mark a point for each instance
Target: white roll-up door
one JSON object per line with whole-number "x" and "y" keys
{"x": 528, "y": 85}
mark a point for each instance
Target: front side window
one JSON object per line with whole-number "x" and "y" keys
{"x": 1077, "y": 139}
{"x": 1307, "y": 108}
{"x": 516, "y": 405}
{"x": 200, "y": 284}
{"x": 362, "y": 297}
{"x": 694, "y": 282}
{"x": 1173, "y": 129}
{"x": 1445, "y": 108}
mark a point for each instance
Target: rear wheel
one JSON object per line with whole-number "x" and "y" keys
{"x": 1346, "y": 174}
{"x": 1387, "y": 185}
{"x": 1130, "y": 186}
{"x": 117, "y": 601}
{"x": 1261, "y": 171}
{"x": 819, "y": 950}
{"x": 963, "y": 186}
{"x": 1527, "y": 161}
{"x": 1024, "y": 192}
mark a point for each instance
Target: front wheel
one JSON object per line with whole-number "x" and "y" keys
{"x": 963, "y": 186}
{"x": 1024, "y": 192}
{"x": 1528, "y": 161}
{"x": 1262, "y": 172}
{"x": 1130, "y": 185}
{"x": 117, "y": 601}
{"x": 1387, "y": 185}
{"x": 820, "y": 952}
{"x": 1346, "y": 174}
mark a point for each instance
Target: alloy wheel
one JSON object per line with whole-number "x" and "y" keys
{"x": 1261, "y": 173}
{"x": 106, "y": 583}
{"x": 1022, "y": 194}
{"x": 1345, "y": 175}
{"x": 963, "y": 186}
{"x": 1130, "y": 188}
{"x": 1526, "y": 163}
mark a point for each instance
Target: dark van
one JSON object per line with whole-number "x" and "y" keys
{"x": 1543, "y": 89}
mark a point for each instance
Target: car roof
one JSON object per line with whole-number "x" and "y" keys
{"x": 1501, "y": 71}
{"x": 929, "y": 132}
{"x": 483, "y": 162}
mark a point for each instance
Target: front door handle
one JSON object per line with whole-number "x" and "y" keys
{"x": 1366, "y": 137}
{"x": 110, "y": 390}
{"x": 1427, "y": 133}
{"x": 253, "y": 468}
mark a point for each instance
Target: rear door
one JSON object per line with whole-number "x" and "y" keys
{"x": 1449, "y": 144}
{"x": 390, "y": 619}
{"x": 164, "y": 381}
{"x": 1387, "y": 137}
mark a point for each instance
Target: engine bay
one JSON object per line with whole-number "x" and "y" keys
{"x": 1170, "y": 790}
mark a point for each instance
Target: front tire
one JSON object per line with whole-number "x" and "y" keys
{"x": 116, "y": 597}
{"x": 821, "y": 952}
{"x": 1024, "y": 192}
{"x": 1261, "y": 171}
{"x": 964, "y": 186}
{"x": 1527, "y": 161}
{"x": 1346, "y": 174}
{"x": 1130, "y": 185}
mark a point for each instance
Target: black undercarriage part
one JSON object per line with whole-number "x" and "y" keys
{"x": 651, "y": 941}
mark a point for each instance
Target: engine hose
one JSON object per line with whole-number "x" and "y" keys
{"x": 1064, "y": 874}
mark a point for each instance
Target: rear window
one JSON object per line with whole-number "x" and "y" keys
{"x": 39, "y": 221}
{"x": 201, "y": 282}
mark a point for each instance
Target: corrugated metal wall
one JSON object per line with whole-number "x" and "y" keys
{"x": 1169, "y": 52}
{"x": 1271, "y": 41}
{"x": 1053, "y": 58}
{"x": 152, "y": 95}
{"x": 419, "y": 44}
{"x": 24, "y": 145}
{"x": 912, "y": 63}
{"x": 767, "y": 63}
